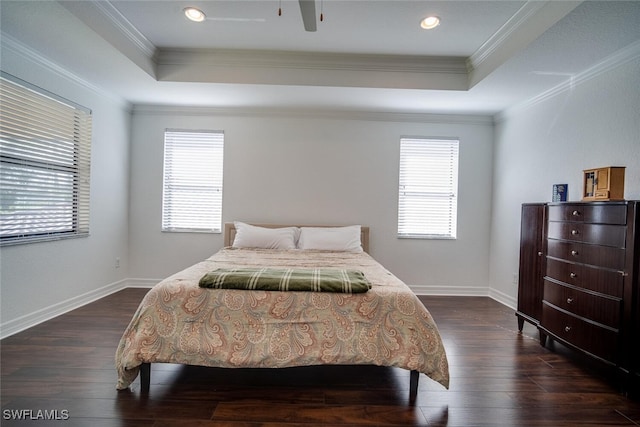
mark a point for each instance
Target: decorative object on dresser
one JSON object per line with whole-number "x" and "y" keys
{"x": 579, "y": 278}
{"x": 603, "y": 184}
{"x": 560, "y": 192}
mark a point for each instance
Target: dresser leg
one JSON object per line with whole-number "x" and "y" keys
{"x": 543, "y": 338}
{"x": 520, "y": 323}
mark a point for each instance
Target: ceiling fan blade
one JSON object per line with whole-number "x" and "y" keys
{"x": 229, "y": 19}
{"x": 308, "y": 11}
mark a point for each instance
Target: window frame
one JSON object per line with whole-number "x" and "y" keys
{"x": 175, "y": 183}
{"x": 45, "y": 165}
{"x": 447, "y": 157}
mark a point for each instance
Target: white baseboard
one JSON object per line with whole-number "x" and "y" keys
{"x": 503, "y": 298}
{"x": 467, "y": 291}
{"x": 142, "y": 283}
{"x": 459, "y": 291}
{"x": 28, "y": 320}
{"x": 32, "y": 319}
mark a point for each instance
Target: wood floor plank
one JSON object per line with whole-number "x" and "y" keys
{"x": 499, "y": 377}
{"x": 525, "y": 417}
{"x": 331, "y": 415}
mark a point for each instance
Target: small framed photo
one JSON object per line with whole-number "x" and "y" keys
{"x": 560, "y": 192}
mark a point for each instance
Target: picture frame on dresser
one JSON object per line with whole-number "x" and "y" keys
{"x": 579, "y": 279}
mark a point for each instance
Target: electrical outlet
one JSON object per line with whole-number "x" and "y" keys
{"x": 515, "y": 278}
{"x": 117, "y": 262}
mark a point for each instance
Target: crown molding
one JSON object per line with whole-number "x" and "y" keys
{"x": 504, "y": 33}
{"x": 312, "y": 60}
{"x": 109, "y": 11}
{"x": 107, "y": 21}
{"x": 311, "y": 69}
{"x": 527, "y": 24}
{"x": 10, "y": 44}
{"x": 611, "y": 62}
{"x": 331, "y": 114}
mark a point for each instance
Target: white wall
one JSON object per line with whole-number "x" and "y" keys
{"x": 593, "y": 124}
{"x": 39, "y": 280}
{"x": 311, "y": 169}
{"x": 317, "y": 170}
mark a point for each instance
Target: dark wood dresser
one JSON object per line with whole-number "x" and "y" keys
{"x": 586, "y": 294}
{"x": 531, "y": 274}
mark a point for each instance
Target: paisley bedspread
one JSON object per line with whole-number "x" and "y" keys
{"x": 180, "y": 322}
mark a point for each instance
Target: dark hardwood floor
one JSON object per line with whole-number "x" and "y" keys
{"x": 499, "y": 377}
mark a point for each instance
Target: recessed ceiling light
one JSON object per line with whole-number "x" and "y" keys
{"x": 430, "y": 22}
{"x": 194, "y": 14}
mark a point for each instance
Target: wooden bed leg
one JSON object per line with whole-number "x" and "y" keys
{"x": 413, "y": 385}
{"x": 145, "y": 377}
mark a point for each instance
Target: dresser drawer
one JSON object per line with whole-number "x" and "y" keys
{"x": 598, "y": 234}
{"x": 606, "y": 282}
{"x": 592, "y": 213}
{"x": 594, "y": 339}
{"x": 601, "y": 256}
{"x": 596, "y": 308}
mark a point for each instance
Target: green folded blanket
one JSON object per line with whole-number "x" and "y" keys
{"x": 287, "y": 279}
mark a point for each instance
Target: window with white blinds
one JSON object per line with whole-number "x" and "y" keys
{"x": 428, "y": 193}
{"x": 45, "y": 159}
{"x": 192, "y": 196}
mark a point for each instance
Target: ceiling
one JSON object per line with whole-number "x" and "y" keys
{"x": 366, "y": 55}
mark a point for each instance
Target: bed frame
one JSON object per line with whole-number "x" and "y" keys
{"x": 229, "y": 236}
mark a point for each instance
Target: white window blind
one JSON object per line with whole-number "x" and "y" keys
{"x": 45, "y": 159}
{"x": 192, "y": 196}
{"x": 428, "y": 200}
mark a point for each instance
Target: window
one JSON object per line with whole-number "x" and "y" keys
{"x": 192, "y": 195}
{"x": 428, "y": 201}
{"x": 45, "y": 157}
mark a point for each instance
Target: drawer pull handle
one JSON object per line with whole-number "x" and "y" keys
{"x": 575, "y": 213}
{"x": 574, "y": 253}
{"x": 575, "y": 232}
{"x": 567, "y": 328}
{"x": 539, "y": 253}
{"x": 569, "y": 300}
{"x": 573, "y": 275}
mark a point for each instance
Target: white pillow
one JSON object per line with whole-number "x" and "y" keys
{"x": 345, "y": 239}
{"x": 251, "y": 236}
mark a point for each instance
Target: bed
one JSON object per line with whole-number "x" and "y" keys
{"x": 179, "y": 321}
